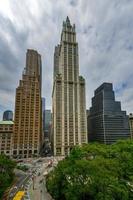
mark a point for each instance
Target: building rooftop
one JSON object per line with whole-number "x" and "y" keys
{"x": 131, "y": 115}
{"x": 6, "y": 122}
{"x": 104, "y": 86}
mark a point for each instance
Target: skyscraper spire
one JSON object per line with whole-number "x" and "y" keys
{"x": 67, "y": 26}
{"x": 68, "y": 20}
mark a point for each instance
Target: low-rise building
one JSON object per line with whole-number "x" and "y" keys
{"x": 6, "y": 134}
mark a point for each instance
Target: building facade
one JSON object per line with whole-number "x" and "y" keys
{"x": 6, "y": 136}
{"x": 28, "y": 109}
{"x": 8, "y": 115}
{"x": 47, "y": 123}
{"x": 131, "y": 124}
{"x": 108, "y": 123}
{"x": 43, "y": 114}
{"x": 69, "y": 124}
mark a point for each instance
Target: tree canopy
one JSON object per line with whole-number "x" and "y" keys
{"x": 94, "y": 172}
{"x": 6, "y": 173}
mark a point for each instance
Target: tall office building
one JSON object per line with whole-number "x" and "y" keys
{"x": 131, "y": 124}
{"x": 69, "y": 126}
{"x": 47, "y": 123}
{"x": 108, "y": 123}
{"x": 43, "y": 115}
{"x": 8, "y": 115}
{"x": 28, "y": 109}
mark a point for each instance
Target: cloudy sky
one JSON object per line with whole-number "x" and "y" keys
{"x": 104, "y": 33}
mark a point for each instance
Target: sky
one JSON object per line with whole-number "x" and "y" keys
{"x": 104, "y": 34}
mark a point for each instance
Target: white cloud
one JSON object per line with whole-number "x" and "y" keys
{"x": 5, "y": 9}
{"x": 104, "y": 32}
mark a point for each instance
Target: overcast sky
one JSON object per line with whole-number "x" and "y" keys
{"x": 104, "y": 33}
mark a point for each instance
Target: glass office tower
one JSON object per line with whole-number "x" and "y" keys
{"x": 108, "y": 123}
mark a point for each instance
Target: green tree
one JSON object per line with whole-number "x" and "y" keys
{"x": 6, "y": 173}
{"x": 94, "y": 172}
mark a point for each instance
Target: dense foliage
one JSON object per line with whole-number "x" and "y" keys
{"x": 6, "y": 173}
{"x": 23, "y": 167}
{"x": 94, "y": 172}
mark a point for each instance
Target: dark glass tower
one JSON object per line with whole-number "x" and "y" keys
{"x": 8, "y": 115}
{"x": 108, "y": 123}
{"x": 47, "y": 123}
{"x": 43, "y": 115}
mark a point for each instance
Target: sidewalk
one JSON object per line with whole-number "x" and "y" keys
{"x": 39, "y": 192}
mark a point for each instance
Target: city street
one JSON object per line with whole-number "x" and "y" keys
{"x": 20, "y": 178}
{"x": 37, "y": 190}
{"x": 33, "y": 182}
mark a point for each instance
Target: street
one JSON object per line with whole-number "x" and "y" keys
{"x": 33, "y": 182}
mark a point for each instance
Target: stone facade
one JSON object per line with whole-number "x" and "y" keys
{"x": 6, "y": 136}
{"x": 131, "y": 124}
{"x": 69, "y": 124}
{"x": 28, "y": 109}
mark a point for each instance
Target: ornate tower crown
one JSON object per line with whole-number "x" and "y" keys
{"x": 68, "y": 21}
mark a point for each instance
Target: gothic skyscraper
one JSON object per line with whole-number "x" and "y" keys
{"x": 28, "y": 109}
{"x": 69, "y": 126}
